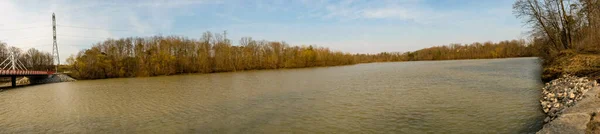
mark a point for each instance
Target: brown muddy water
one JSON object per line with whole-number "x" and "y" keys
{"x": 460, "y": 96}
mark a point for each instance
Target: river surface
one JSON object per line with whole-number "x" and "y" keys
{"x": 460, "y": 96}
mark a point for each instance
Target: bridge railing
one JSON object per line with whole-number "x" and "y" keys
{"x": 24, "y": 72}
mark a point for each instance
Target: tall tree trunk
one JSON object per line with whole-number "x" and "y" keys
{"x": 566, "y": 26}
{"x": 538, "y": 17}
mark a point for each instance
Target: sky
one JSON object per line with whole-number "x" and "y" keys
{"x": 355, "y": 26}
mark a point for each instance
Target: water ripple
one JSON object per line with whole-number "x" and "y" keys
{"x": 464, "y": 96}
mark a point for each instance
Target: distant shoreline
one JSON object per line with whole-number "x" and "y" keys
{"x": 308, "y": 67}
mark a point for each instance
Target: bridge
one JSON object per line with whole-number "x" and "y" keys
{"x": 13, "y": 68}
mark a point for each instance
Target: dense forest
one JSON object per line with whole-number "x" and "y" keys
{"x": 32, "y": 59}
{"x": 159, "y": 55}
{"x": 565, "y": 33}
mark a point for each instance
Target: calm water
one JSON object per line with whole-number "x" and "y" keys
{"x": 466, "y": 96}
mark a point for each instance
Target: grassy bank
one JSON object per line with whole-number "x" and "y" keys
{"x": 571, "y": 62}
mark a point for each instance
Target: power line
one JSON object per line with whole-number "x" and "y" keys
{"x": 23, "y": 28}
{"x": 21, "y": 38}
{"x": 60, "y": 45}
{"x": 80, "y": 36}
{"x": 26, "y": 48}
{"x": 45, "y": 45}
{"x": 25, "y": 41}
{"x": 92, "y": 28}
{"x": 32, "y": 22}
{"x": 48, "y": 45}
{"x": 81, "y": 46}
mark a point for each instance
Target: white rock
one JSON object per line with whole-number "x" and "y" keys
{"x": 556, "y": 105}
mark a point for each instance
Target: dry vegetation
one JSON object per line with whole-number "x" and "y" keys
{"x": 569, "y": 62}
{"x": 152, "y": 56}
{"x": 32, "y": 59}
{"x": 565, "y": 34}
{"x": 487, "y": 50}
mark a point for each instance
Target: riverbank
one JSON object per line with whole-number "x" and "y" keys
{"x": 572, "y": 102}
{"x": 75, "y": 76}
{"x": 572, "y": 63}
{"x": 23, "y": 81}
{"x": 20, "y": 82}
{"x": 572, "y": 105}
{"x": 54, "y": 79}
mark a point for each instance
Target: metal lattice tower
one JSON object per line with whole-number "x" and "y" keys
{"x": 54, "y": 45}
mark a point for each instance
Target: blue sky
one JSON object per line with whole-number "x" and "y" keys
{"x": 356, "y": 26}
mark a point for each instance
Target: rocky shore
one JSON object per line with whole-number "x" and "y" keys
{"x": 54, "y": 79}
{"x": 570, "y": 103}
{"x": 563, "y": 92}
{"x": 20, "y": 81}
{"x": 51, "y": 79}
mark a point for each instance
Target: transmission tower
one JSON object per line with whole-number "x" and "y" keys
{"x": 54, "y": 45}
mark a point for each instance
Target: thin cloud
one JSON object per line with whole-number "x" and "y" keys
{"x": 380, "y": 13}
{"x": 351, "y": 9}
{"x": 230, "y": 17}
{"x": 347, "y": 25}
{"x": 92, "y": 18}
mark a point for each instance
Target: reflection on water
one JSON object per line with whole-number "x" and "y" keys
{"x": 463, "y": 96}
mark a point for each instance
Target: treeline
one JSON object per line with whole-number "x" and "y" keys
{"x": 487, "y": 50}
{"x": 32, "y": 59}
{"x": 561, "y": 25}
{"x": 159, "y": 55}
{"x": 565, "y": 33}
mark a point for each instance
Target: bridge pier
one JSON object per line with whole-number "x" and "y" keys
{"x": 30, "y": 75}
{"x": 13, "y": 80}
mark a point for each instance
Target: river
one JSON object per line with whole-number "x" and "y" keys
{"x": 459, "y": 96}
